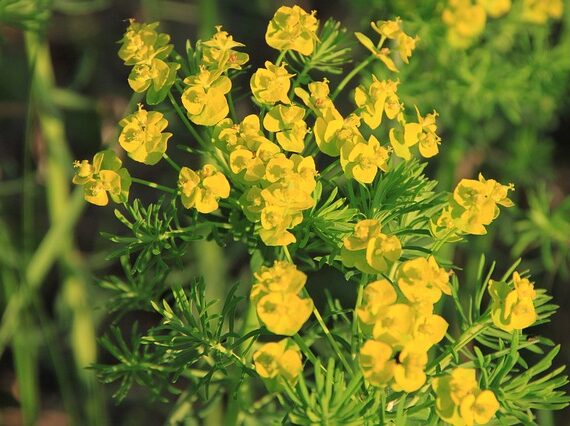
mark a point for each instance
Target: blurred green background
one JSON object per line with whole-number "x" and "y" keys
{"x": 503, "y": 107}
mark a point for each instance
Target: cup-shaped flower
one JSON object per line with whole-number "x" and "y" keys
{"x": 283, "y": 313}
{"x": 142, "y": 136}
{"x": 278, "y": 360}
{"x": 317, "y": 99}
{"x": 104, "y": 176}
{"x": 282, "y": 277}
{"x": 382, "y": 251}
{"x": 375, "y": 298}
{"x": 513, "y": 308}
{"x": 361, "y": 160}
{"x": 287, "y": 122}
{"x": 271, "y": 84}
{"x": 394, "y": 324}
{"x": 291, "y": 28}
{"x": 204, "y": 98}
{"x": 421, "y": 280}
{"x": 156, "y": 76}
{"x": 203, "y": 189}
{"x": 377, "y": 363}
{"x": 377, "y": 100}
{"x": 218, "y": 53}
{"x": 479, "y": 408}
{"x": 142, "y": 43}
{"x": 409, "y": 372}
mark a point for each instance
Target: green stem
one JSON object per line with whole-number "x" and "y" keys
{"x": 331, "y": 341}
{"x": 305, "y": 349}
{"x": 233, "y": 114}
{"x": 171, "y": 162}
{"x": 355, "y": 342}
{"x": 154, "y": 185}
{"x": 185, "y": 120}
{"x": 280, "y": 57}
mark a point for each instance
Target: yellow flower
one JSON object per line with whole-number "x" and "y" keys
{"x": 317, "y": 99}
{"x": 368, "y": 250}
{"x": 332, "y": 131}
{"x": 376, "y": 296}
{"x": 479, "y": 409}
{"x": 306, "y": 172}
{"x": 204, "y": 98}
{"x": 142, "y": 136}
{"x": 271, "y": 84}
{"x": 406, "y": 45}
{"x": 423, "y": 133}
{"x": 104, "y": 176}
{"x": 459, "y": 400}
{"x": 421, "y": 280}
{"x": 465, "y": 22}
{"x": 388, "y": 29}
{"x": 247, "y": 134}
{"x": 475, "y": 203}
{"x": 219, "y": 53}
{"x": 292, "y": 29}
{"x": 513, "y": 309}
{"x": 283, "y": 313}
{"x": 381, "y": 53}
{"x": 496, "y": 8}
{"x": 252, "y": 203}
{"x": 202, "y": 189}
{"x": 156, "y": 75}
{"x": 280, "y": 359}
{"x": 377, "y": 363}
{"x": 409, "y": 372}
{"x": 275, "y": 222}
{"x": 141, "y": 43}
{"x": 282, "y": 277}
{"x": 394, "y": 324}
{"x": 376, "y": 100}
{"x": 539, "y": 11}
{"x": 290, "y": 193}
{"x": 287, "y": 122}
{"x": 429, "y": 328}
{"x": 362, "y": 160}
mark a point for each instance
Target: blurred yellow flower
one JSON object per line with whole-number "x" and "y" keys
{"x": 283, "y": 313}
{"x": 141, "y": 43}
{"x": 465, "y": 22}
{"x": 276, "y": 360}
{"x": 513, "y": 308}
{"x": 539, "y": 11}
{"x": 377, "y": 363}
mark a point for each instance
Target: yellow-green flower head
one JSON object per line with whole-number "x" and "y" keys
{"x": 317, "y": 99}
{"x": 203, "y": 189}
{"x": 252, "y": 203}
{"x": 376, "y": 297}
{"x": 376, "y": 100}
{"x": 283, "y": 313}
{"x": 377, "y": 363}
{"x": 381, "y": 53}
{"x": 104, "y": 176}
{"x": 539, "y": 11}
{"x": 496, "y": 8}
{"x": 361, "y": 160}
{"x": 382, "y": 251}
{"x": 460, "y": 402}
{"x": 271, "y": 84}
{"x": 287, "y": 122}
{"x": 388, "y": 29}
{"x": 142, "y": 136}
{"x": 513, "y": 308}
{"x": 465, "y": 21}
{"x": 219, "y": 53}
{"x": 421, "y": 280}
{"x": 141, "y": 43}
{"x": 394, "y": 324}
{"x": 278, "y": 360}
{"x": 275, "y": 222}
{"x": 422, "y": 133}
{"x": 429, "y": 328}
{"x": 155, "y": 74}
{"x": 204, "y": 98}
{"x": 253, "y": 164}
{"x": 247, "y": 134}
{"x": 291, "y": 28}
{"x": 332, "y": 131}
{"x": 282, "y": 277}
{"x": 291, "y": 193}
{"x": 306, "y": 172}
{"x": 409, "y": 372}
{"x": 475, "y": 203}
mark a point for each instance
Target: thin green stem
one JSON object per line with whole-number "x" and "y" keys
{"x": 171, "y": 162}
{"x": 186, "y": 122}
{"x": 332, "y": 342}
{"x": 280, "y": 57}
{"x": 233, "y": 114}
{"x": 154, "y": 185}
{"x": 355, "y": 342}
{"x": 305, "y": 349}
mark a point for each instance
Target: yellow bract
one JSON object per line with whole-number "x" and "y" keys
{"x": 142, "y": 136}
{"x": 276, "y": 297}
{"x": 271, "y": 84}
{"x": 422, "y": 280}
{"x": 459, "y": 400}
{"x": 376, "y": 100}
{"x": 141, "y": 43}
{"x": 202, "y": 190}
{"x": 292, "y": 29}
{"x": 512, "y": 308}
{"x": 204, "y": 98}
{"x": 368, "y": 250}
{"x": 104, "y": 176}
{"x": 422, "y": 133}
{"x": 287, "y": 122}
{"x": 317, "y": 99}
{"x": 361, "y": 160}
{"x": 219, "y": 54}
{"x": 278, "y": 360}
{"x": 465, "y": 21}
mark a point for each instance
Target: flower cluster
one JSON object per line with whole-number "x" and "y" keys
{"x": 466, "y": 20}
{"x": 104, "y": 175}
{"x": 369, "y": 250}
{"x": 473, "y": 205}
{"x": 459, "y": 400}
{"x": 277, "y": 361}
{"x": 403, "y": 329}
{"x": 203, "y": 189}
{"x": 512, "y": 308}
{"x": 292, "y": 29}
{"x": 275, "y": 294}
{"x": 147, "y": 50}
{"x": 142, "y": 136}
